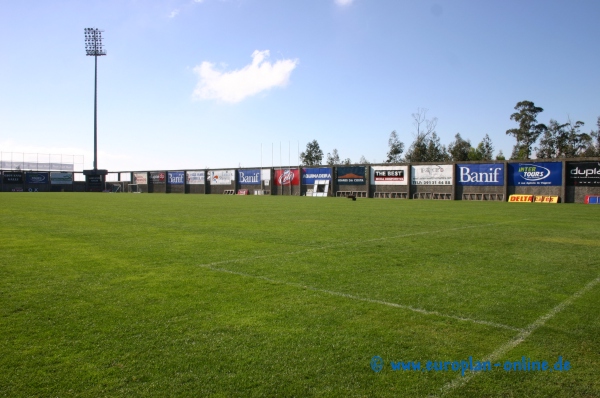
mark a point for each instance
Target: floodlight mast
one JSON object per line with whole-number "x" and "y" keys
{"x": 93, "y": 47}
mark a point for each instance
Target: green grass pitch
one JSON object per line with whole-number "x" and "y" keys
{"x": 192, "y": 295}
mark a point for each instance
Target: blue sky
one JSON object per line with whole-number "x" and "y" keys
{"x": 194, "y": 84}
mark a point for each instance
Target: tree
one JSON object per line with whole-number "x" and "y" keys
{"x": 548, "y": 148}
{"x": 459, "y": 149}
{"x": 563, "y": 141}
{"x": 313, "y": 155}
{"x": 483, "y": 151}
{"x": 475, "y": 154}
{"x": 436, "y": 152}
{"x": 574, "y": 143}
{"x": 593, "y": 147}
{"x": 529, "y": 130}
{"x": 485, "y": 148}
{"x": 426, "y": 147}
{"x": 333, "y": 158}
{"x": 363, "y": 160}
{"x": 500, "y": 156}
{"x": 396, "y": 147}
{"x": 347, "y": 161}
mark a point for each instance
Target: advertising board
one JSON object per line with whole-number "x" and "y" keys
{"x": 94, "y": 181}
{"x": 583, "y": 173}
{"x": 195, "y": 177}
{"x": 222, "y": 177}
{"x": 431, "y": 174}
{"x": 38, "y": 178}
{"x": 592, "y": 200}
{"x": 157, "y": 177}
{"x": 351, "y": 175}
{"x": 140, "y": 178}
{"x": 545, "y": 199}
{"x": 389, "y": 175}
{"x": 249, "y": 177}
{"x": 520, "y": 198}
{"x": 309, "y": 175}
{"x": 7, "y": 164}
{"x": 59, "y": 177}
{"x": 535, "y": 174}
{"x": 265, "y": 175}
{"x": 12, "y": 177}
{"x": 175, "y": 177}
{"x": 287, "y": 177}
{"x": 480, "y": 174}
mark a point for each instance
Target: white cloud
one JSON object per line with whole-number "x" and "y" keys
{"x": 239, "y": 84}
{"x": 173, "y": 13}
{"x": 343, "y": 2}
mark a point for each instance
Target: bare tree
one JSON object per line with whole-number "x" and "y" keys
{"x": 426, "y": 147}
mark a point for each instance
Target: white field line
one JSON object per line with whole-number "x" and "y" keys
{"x": 460, "y": 381}
{"x": 310, "y": 249}
{"x": 406, "y": 307}
{"x": 368, "y": 300}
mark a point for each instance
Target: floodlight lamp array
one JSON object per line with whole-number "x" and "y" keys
{"x": 93, "y": 42}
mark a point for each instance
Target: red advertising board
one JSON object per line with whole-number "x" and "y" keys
{"x": 287, "y": 177}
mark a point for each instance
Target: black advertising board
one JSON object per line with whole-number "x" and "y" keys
{"x": 12, "y": 177}
{"x": 583, "y": 173}
{"x": 157, "y": 177}
{"x": 94, "y": 181}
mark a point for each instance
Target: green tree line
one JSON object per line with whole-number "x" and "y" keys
{"x": 552, "y": 141}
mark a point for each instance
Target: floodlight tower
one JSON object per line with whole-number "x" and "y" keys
{"x": 93, "y": 47}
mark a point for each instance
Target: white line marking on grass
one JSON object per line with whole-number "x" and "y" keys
{"x": 310, "y": 249}
{"x": 368, "y": 300}
{"x": 213, "y": 265}
{"x": 460, "y": 381}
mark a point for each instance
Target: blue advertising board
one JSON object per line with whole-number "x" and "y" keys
{"x": 249, "y": 177}
{"x": 175, "y": 177}
{"x": 535, "y": 174}
{"x": 480, "y": 174}
{"x": 33, "y": 177}
{"x": 38, "y": 178}
{"x": 309, "y": 175}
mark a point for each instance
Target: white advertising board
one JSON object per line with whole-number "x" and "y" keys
{"x": 195, "y": 177}
{"x": 437, "y": 174}
{"x": 140, "y": 178}
{"x": 222, "y": 177}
